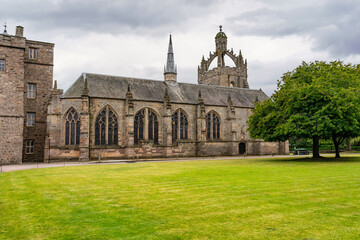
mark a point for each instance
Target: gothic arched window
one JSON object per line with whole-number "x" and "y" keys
{"x": 179, "y": 125}
{"x": 106, "y": 127}
{"x": 72, "y": 128}
{"x": 146, "y": 126}
{"x": 212, "y": 125}
{"x": 112, "y": 129}
{"x": 153, "y": 127}
{"x": 139, "y": 126}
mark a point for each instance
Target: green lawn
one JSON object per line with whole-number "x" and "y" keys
{"x": 220, "y": 199}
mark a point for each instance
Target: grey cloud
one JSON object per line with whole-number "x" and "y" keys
{"x": 104, "y": 16}
{"x": 333, "y": 25}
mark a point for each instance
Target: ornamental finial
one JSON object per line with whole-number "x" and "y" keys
{"x": 5, "y": 26}
{"x": 220, "y": 28}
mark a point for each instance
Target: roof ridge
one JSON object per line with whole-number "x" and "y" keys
{"x": 125, "y": 77}
{"x": 180, "y": 83}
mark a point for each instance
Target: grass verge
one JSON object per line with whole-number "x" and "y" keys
{"x": 283, "y": 198}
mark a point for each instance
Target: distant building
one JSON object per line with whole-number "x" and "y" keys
{"x": 119, "y": 117}
{"x": 26, "y": 75}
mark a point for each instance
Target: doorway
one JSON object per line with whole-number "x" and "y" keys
{"x": 242, "y": 148}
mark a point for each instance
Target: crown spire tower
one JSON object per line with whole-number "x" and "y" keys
{"x": 170, "y": 70}
{"x": 223, "y": 75}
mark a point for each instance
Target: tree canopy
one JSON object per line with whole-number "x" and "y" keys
{"x": 315, "y": 100}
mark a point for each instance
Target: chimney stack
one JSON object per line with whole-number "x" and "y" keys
{"x": 19, "y": 31}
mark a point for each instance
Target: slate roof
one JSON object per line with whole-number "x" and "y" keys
{"x": 114, "y": 87}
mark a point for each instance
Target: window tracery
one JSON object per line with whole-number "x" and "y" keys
{"x": 139, "y": 126}
{"x": 153, "y": 127}
{"x": 72, "y": 128}
{"x": 179, "y": 125}
{"x": 106, "y": 127}
{"x": 212, "y": 126}
{"x": 146, "y": 126}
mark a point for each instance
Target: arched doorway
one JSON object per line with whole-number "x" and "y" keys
{"x": 242, "y": 148}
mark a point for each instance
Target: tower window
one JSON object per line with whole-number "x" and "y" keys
{"x": 32, "y": 53}
{"x": 30, "y": 119}
{"x": 29, "y": 146}
{"x": 31, "y": 91}
{"x": 2, "y": 65}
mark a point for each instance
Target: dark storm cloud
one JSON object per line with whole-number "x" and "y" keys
{"x": 103, "y": 16}
{"x": 333, "y": 25}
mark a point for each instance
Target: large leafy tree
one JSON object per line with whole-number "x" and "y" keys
{"x": 316, "y": 100}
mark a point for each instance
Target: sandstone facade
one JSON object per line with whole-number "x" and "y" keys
{"x": 26, "y": 63}
{"x": 110, "y": 117}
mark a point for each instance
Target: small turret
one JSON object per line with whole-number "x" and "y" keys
{"x": 170, "y": 71}
{"x": 5, "y": 31}
{"x": 221, "y": 41}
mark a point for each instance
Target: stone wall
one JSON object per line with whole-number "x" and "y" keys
{"x": 233, "y": 131}
{"x": 225, "y": 76}
{"x": 11, "y": 99}
{"x": 19, "y": 72}
{"x": 38, "y": 71}
{"x": 11, "y": 141}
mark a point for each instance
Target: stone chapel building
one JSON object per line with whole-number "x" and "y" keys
{"x": 115, "y": 117}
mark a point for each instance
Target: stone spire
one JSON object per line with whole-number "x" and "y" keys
{"x": 170, "y": 67}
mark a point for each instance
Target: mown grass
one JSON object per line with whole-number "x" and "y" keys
{"x": 221, "y": 199}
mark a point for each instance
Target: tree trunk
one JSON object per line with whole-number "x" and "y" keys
{"x": 337, "y": 150}
{"x": 337, "y": 147}
{"x": 348, "y": 144}
{"x": 316, "y": 153}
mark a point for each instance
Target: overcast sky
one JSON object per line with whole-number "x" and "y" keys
{"x": 130, "y": 37}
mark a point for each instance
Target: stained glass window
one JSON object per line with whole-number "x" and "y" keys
{"x": 153, "y": 127}
{"x": 139, "y": 126}
{"x": 179, "y": 125}
{"x": 106, "y": 127}
{"x": 216, "y": 126}
{"x": 112, "y": 129}
{"x": 208, "y": 126}
{"x": 72, "y": 128}
{"x": 183, "y": 126}
{"x": 212, "y": 126}
{"x": 174, "y": 126}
